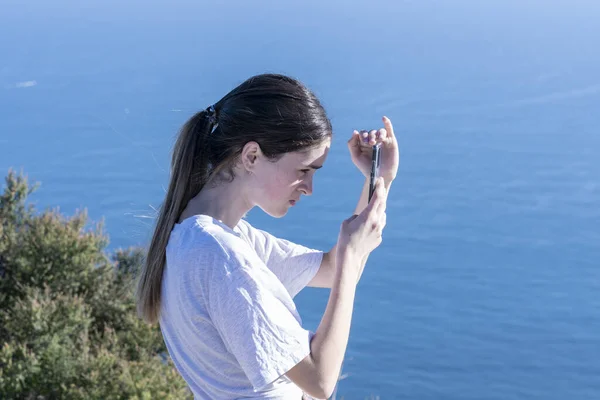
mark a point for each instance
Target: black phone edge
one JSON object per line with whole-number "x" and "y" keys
{"x": 374, "y": 169}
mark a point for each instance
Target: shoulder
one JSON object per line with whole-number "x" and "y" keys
{"x": 246, "y": 229}
{"x": 257, "y": 238}
{"x": 203, "y": 243}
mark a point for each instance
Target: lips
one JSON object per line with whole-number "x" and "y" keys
{"x": 292, "y": 202}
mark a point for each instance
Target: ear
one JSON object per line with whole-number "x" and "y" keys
{"x": 250, "y": 156}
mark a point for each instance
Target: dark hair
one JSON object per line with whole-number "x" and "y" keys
{"x": 276, "y": 111}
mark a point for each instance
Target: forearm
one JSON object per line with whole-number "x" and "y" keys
{"x": 328, "y": 346}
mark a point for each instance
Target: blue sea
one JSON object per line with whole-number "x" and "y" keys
{"x": 487, "y": 284}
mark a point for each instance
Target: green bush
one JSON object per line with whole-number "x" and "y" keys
{"x": 68, "y": 326}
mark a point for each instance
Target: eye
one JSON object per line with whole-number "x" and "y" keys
{"x": 305, "y": 171}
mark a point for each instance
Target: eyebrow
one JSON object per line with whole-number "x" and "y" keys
{"x": 313, "y": 166}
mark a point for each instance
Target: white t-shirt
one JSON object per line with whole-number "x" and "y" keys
{"x": 227, "y": 315}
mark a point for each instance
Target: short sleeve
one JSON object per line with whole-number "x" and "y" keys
{"x": 257, "y": 321}
{"x": 295, "y": 265}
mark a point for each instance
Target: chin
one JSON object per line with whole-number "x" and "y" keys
{"x": 276, "y": 212}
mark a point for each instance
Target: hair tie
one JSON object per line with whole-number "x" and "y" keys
{"x": 212, "y": 114}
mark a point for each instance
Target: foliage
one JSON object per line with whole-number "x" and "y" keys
{"x": 68, "y": 325}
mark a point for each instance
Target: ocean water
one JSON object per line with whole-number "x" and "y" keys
{"x": 486, "y": 285}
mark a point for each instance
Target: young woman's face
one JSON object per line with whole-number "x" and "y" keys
{"x": 284, "y": 181}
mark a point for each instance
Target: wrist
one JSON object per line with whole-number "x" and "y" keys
{"x": 388, "y": 178}
{"x": 347, "y": 268}
{"x": 345, "y": 252}
{"x": 347, "y": 258}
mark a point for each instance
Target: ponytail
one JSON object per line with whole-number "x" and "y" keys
{"x": 189, "y": 172}
{"x": 275, "y": 111}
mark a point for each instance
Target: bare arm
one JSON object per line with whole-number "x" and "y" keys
{"x": 317, "y": 374}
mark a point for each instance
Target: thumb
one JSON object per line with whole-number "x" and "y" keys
{"x": 378, "y": 196}
{"x": 348, "y": 220}
{"x": 354, "y": 143}
{"x": 345, "y": 228}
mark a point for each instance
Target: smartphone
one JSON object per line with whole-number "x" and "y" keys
{"x": 375, "y": 161}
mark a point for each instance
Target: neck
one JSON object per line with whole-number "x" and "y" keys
{"x": 226, "y": 202}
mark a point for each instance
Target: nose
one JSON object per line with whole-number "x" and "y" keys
{"x": 307, "y": 187}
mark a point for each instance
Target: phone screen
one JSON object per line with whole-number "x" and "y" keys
{"x": 374, "y": 168}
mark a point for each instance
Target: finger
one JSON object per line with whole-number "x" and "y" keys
{"x": 381, "y": 207}
{"x": 375, "y": 199}
{"x": 382, "y": 195}
{"x": 354, "y": 139}
{"x": 354, "y": 144}
{"x": 378, "y": 227}
{"x": 389, "y": 128}
{"x": 373, "y": 137}
{"x": 364, "y": 135}
{"x": 380, "y": 222}
{"x": 382, "y": 135}
{"x": 378, "y": 197}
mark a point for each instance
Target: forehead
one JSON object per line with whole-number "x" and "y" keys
{"x": 315, "y": 155}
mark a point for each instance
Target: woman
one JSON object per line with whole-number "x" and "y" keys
{"x": 221, "y": 289}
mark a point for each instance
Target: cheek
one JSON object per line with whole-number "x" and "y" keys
{"x": 278, "y": 185}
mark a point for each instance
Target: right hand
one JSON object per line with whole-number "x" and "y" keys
{"x": 361, "y": 234}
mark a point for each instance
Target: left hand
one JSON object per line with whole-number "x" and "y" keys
{"x": 361, "y": 150}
